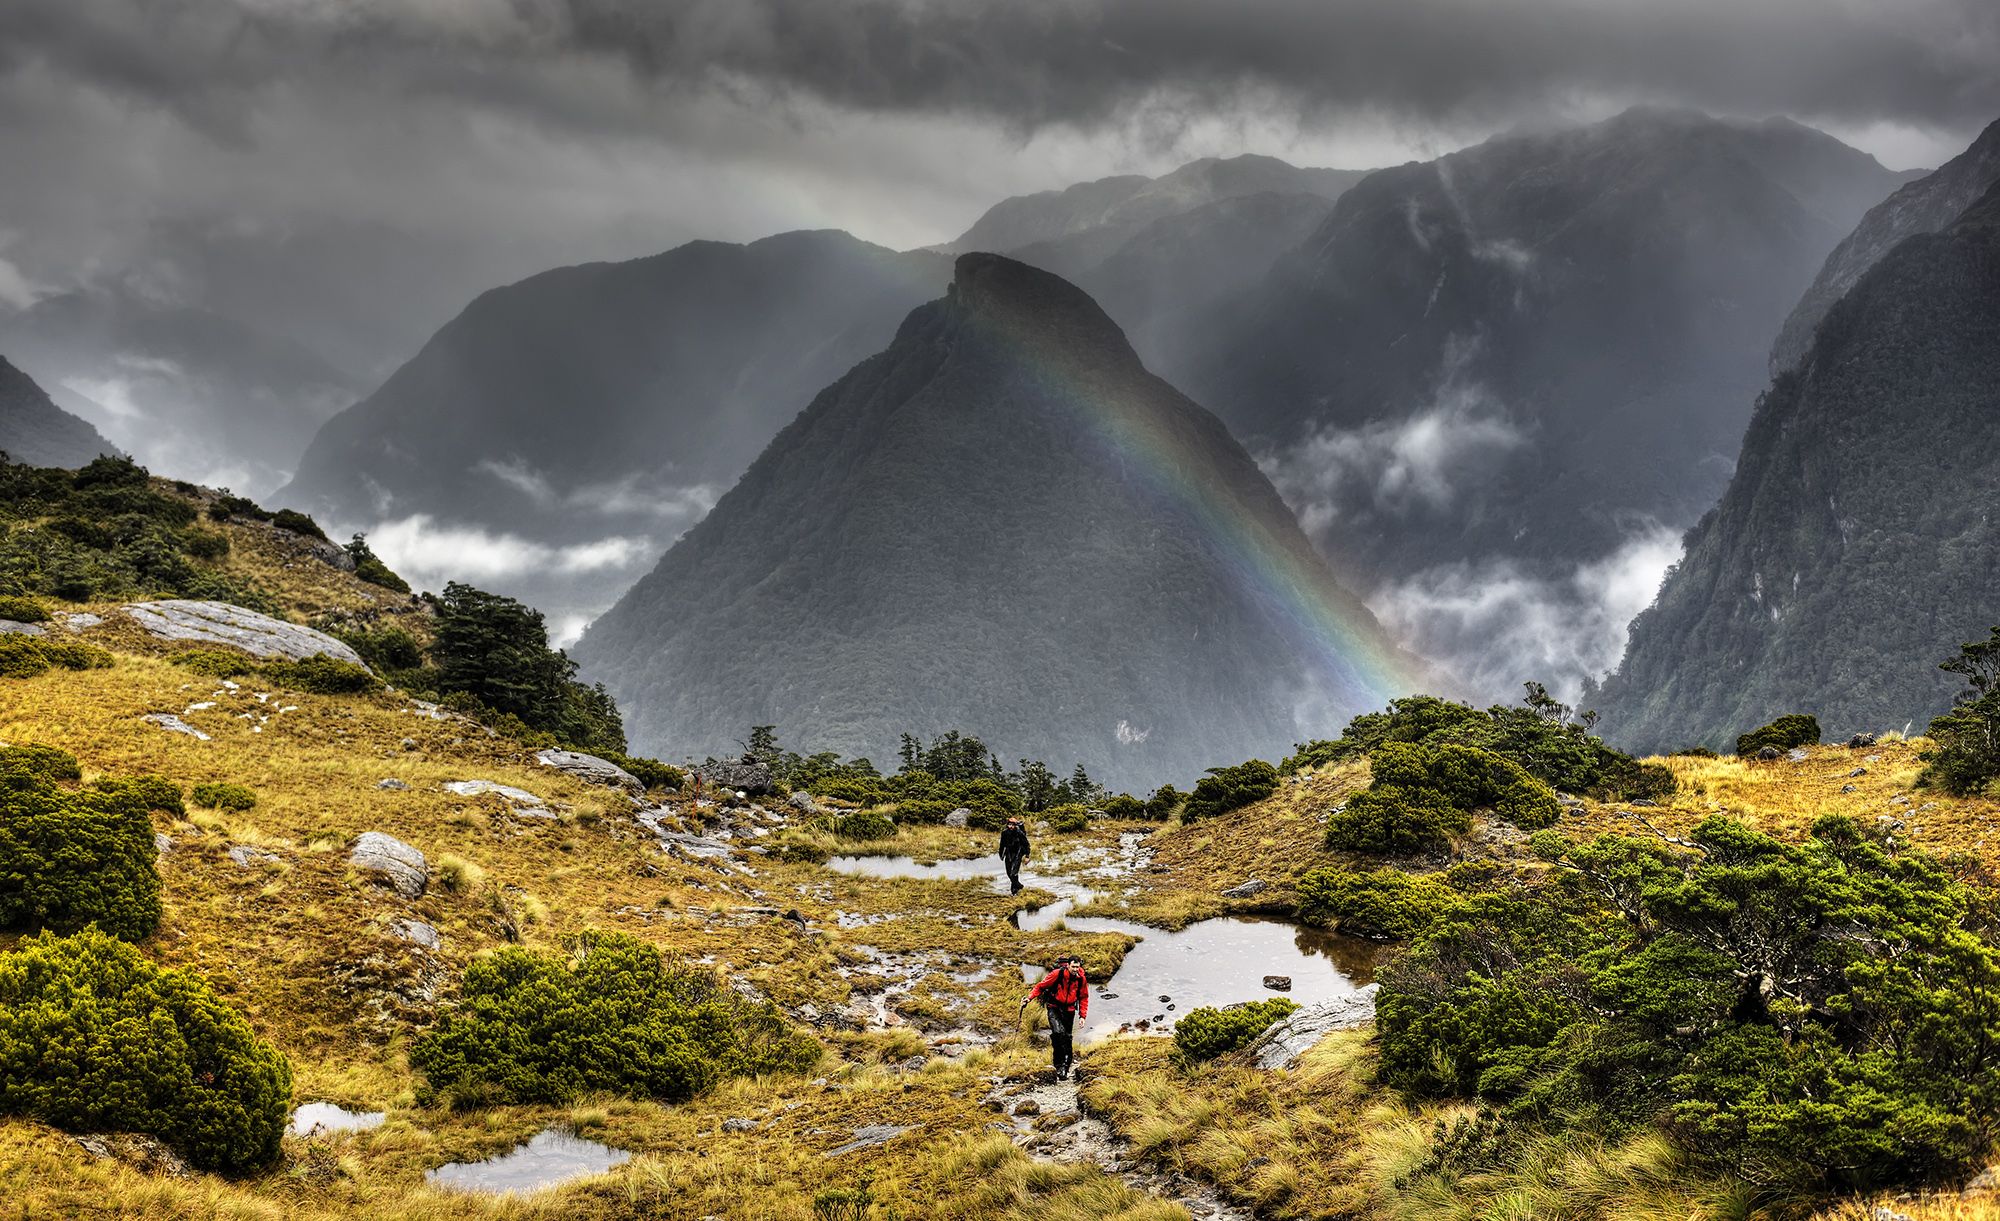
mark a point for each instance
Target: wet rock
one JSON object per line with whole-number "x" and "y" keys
{"x": 392, "y": 784}
{"x": 803, "y": 802}
{"x": 417, "y": 933}
{"x": 915, "y": 1064}
{"x": 1860, "y": 741}
{"x": 1768, "y": 753}
{"x": 1249, "y": 889}
{"x": 392, "y": 860}
{"x": 750, "y": 779}
{"x": 870, "y": 1136}
{"x": 590, "y": 769}
{"x": 1278, "y": 983}
{"x": 1289, "y": 1038}
{"x": 1859, "y": 771}
{"x": 247, "y": 857}
{"x": 173, "y": 724}
{"x": 161, "y": 844}
{"x": 1165, "y": 999}
{"x": 221, "y": 623}
{"x": 961, "y": 817}
{"x": 739, "y": 1125}
{"x": 1849, "y": 788}
{"x": 10, "y": 627}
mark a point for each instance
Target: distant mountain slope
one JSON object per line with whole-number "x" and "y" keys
{"x": 36, "y": 432}
{"x": 1004, "y": 524}
{"x": 1923, "y": 206}
{"x": 205, "y": 397}
{"x": 1496, "y": 385}
{"x": 1859, "y": 542}
{"x": 570, "y": 425}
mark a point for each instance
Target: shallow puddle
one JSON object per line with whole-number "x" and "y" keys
{"x": 326, "y": 1117}
{"x": 550, "y": 1158}
{"x": 1218, "y": 962}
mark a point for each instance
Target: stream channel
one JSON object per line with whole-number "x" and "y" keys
{"x": 1211, "y": 962}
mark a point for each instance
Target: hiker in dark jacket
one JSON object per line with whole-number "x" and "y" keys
{"x": 1065, "y": 994}
{"x": 1014, "y": 850}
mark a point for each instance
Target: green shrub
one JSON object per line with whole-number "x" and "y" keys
{"x": 1966, "y": 757}
{"x": 147, "y": 792}
{"x": 24, "y": 656}
{"x": 70, "y": 859}
{"x": 864, "y": 824}
{"x": 1695, "y": 752}
{"x": 214, "y": 663}
{"x": 864, "y": 791}
{"x": 205, "y": 544}
{"x": 1068, "y": 819}
{"x": 1163, "y": 803}
{"x": 1206, "y": 1033}
{"x": 322, "y": 675}
{"x": 1385, "y": 903}
{"x": 1420, "y": 797}
{"x": 298, "y": 523}
{"x": 497, "y": 651}
{"x": 650, "y": 772}
{"x": 1785, "y": 733}
{"x": 23, "y": 610}
{"x": 20, "y": 657}
{"x": 1124, "y": 806}
{"x": 369, "y": 566}
{"x": 224, "y": 796}
{"x": 611, "y": 1016}
{"x": 94, "y": 1038}
{"x": 920, "y": 811}
{"x": 75, "y": 655}
{"x": 1230, "y": 788}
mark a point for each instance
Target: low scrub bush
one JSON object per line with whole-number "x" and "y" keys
{"x": 1385, "y": 903}
{"x": 1164, "y": 803}
{"x": 1124, "y": 806}
{"x": 1206, "y": 1033}
{"x": 224, "y": 796}
{"x": 650, "y": 772}
{"x": 94, "y": 1038}
{"x": 1785, "y": 733}
{"x": 322, "y": 675}
{"x": 369, "y": 566}
{"x": 27, "y": 656}
{"x": 1230, "y": 788}
{"x": 1068, "y": 819}
{"x": 1966, "y": 757}
{"x": 1695, "y": 752}
{"x": 71, "y": 859}
{"x": 864, "y": 824}
{"x": 861, "y": 790}
{"x": 918, "y": 811}
{"x": 147, "y": 792}
{"x": 611, "y": 1016}
{"x": 23, "y": 610}
{"x": 205, "y": 544}
{"x": 215, "y": 663}
{"x": 298, "y": 523}
{"x": 1420, "y": 797}
{"x": 1799, "y": 1015}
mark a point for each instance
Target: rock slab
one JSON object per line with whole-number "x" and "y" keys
{"x": 389, "y": 858}
{"x": 173, "y": 724}
{"x": 590, "y": 769}
{"x": 9, "y": 627}
{"x": 1287, "y": 1039}
{"x": 870, "y": 1136}
{"x": 221, "y": 623}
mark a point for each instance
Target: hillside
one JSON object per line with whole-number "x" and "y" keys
{"x": 1493, "y": 382}
{"x": 36, "y": 431}
{"x": 1853, "y": 550}
{"x": 1923, "y": 206}
{"x": 1004, "y": 524}
{"x": 569, "y": 426}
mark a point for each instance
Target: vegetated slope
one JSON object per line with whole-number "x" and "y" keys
{"x": 1924, "y": 206}
{"x": 36, "y": 431}
{"x": 211, "y": 398}
{"x": 1002, "y": 523}
{"x": 1855, "y": 548}
{"x": 1505, "y": 365}
{"x": 610, "y": 401}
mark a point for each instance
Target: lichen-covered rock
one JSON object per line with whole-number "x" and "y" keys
{"x": 221, "y": 623}
{"x": 9, "y": 627}
{"x": 392, "y": 860}
{"x": 1293, "y": 1036}
{"x": 590, "y": 769}
{"x": 961, "y": 817}
{"x": 803, "y": 802}
{"x": 1248, "y": 890}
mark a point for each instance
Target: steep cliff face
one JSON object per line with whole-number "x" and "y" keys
{"x": 1857, "y": 545}
{"x": 1923, "y": 206}
{"x": 35, "y": 431}
{"x": 1003, "y": 524}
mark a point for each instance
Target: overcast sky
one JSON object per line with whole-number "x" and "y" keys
{"x": 350, "y": 171}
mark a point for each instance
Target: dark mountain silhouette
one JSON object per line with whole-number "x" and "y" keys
{"x": 35, "y": 431}
{"x": 608, "y": 401}
{"x": 1002, "y": 524}
{"x": 185, "y": 390}
{"x": 1856, "y": 547}
{"x": 1486, "y": 379}
{"x": 1924, "y": 206}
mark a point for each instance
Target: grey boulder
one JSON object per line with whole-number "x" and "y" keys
{"x": 1249, "y": 889}
{"x": 754, "y": 779}
{"x": 1288, "y": 1038}
{"x": 803, "y": 802}
{"x": 9, "y": 627}
{"x": 590, "y": 769}
{"x": 392, "y": 860}
{"x": 221, "y": 623}
{"x": 417, "y": 933}
{"x": 961, "y": 817}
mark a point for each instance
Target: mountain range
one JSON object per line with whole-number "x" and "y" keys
{"x": 36, "y": 431}
{"x": 1855, "y": 547}
{"x": 1002, "y": 523}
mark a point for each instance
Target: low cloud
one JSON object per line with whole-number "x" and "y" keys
{"x": 429, "y": 554}
{"x": 1495, "y": 626}
{"x": 631, "y": 496}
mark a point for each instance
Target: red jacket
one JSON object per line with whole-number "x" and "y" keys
{"x": 1070, "y": 989}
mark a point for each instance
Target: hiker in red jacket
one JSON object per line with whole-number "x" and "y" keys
{"x": 1065, "y": 994}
